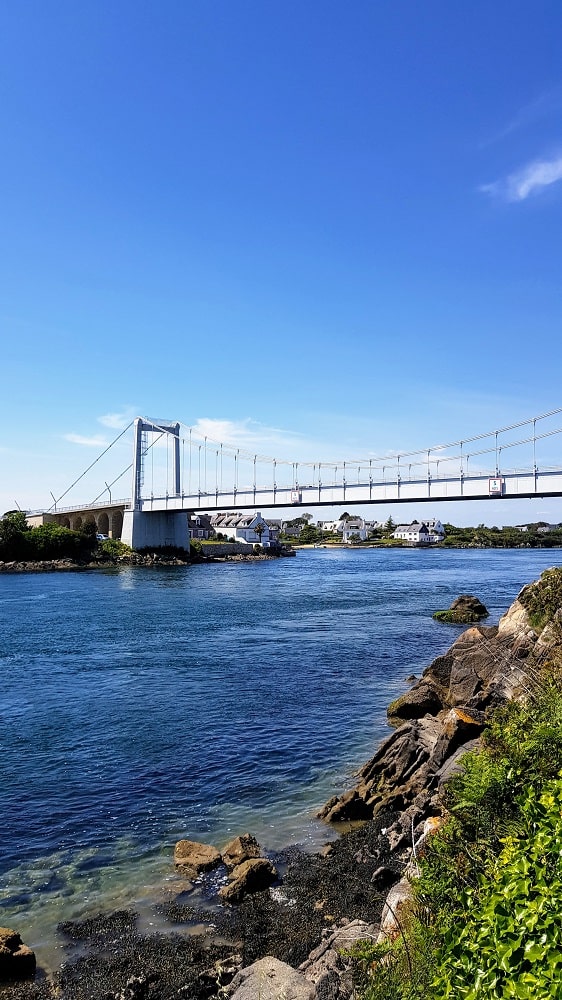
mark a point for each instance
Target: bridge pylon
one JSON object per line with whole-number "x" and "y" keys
{"x": 161, "y": 529}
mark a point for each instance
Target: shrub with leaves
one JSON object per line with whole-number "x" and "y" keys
{"x": 543, "y": 598}
{"x": 508, "y": 939}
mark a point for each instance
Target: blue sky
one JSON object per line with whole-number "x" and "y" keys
{"x": 334, "y": 228}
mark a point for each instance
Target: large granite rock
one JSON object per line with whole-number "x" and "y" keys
{"x": 195, "y": 857}
{"x": 241, "y": 849}
{"x": 270, "y": 979}
{"x": 253, "y": 875}
{"x": 17, "y": 961}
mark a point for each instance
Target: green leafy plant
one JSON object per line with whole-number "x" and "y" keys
{"x": 543, "y": 599}
{"x": 113, "y": 548}
{"x": 508, "y": 939}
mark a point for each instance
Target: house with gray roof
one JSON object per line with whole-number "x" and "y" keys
{"x": 251, "y": 529}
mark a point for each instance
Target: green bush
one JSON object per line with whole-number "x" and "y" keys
{"x": 544, "y": 598}
{"x": 113, "y": 548}
{"x": 48, "y": 541}
{"x": 508, "y": 939}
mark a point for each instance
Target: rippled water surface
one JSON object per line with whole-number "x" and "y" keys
{"x": 140, "y": 706}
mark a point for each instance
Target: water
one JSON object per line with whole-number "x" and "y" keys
{"x": 141, "y": 706}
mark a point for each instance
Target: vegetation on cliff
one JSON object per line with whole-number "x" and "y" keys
{"x": 484, "y": 918}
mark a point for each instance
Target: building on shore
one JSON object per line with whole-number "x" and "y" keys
{"x": 428, "y": 532}
{"x": 250, "y": 529}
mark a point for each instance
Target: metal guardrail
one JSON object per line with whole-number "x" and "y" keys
{"x": 82, "y": 506}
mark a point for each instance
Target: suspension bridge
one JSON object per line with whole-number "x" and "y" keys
{"x": 175, "y": 469}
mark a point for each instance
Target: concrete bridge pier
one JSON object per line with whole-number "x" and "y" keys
{"x": 157, "y": 529}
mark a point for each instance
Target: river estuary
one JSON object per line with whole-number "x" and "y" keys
{"x": 140, "y": 706}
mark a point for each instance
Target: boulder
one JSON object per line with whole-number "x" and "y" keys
{"x": 393, "y": 777}
{"x": 270, "y": 979}
{"x": 253, "y": 875}
{"x": 465, "y": 610}
{"x": 423, "y": 699}
{"x": 17, "y": 961}
{"x": 196, "y": 857}
{"x": 328, "y": 967}
{"x": 241, "y": 849}
{"x": 398, "y": 900}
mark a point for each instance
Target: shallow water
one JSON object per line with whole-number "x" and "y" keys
{"x": 139, "y": 706}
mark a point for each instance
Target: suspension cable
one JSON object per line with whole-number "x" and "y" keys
{"x": 96, "y": 460}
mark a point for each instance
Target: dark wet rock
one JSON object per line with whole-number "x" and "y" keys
{"x": 17, "y": 961}
{"x": 27, "y": 989}
{"x": 241, "y": 849}
{"x": 383, "y": 877}
{"x": 195, "y": 857}
{"x": 465, "y": 610}
{"x": 253, "y": 875}
{"x": 136, "y": 988}
{"x": 115, "y": 960}
{"x": 219, "y": 976}
{"x": 106, "y": 927}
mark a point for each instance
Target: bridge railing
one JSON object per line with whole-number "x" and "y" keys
{"x": 126, "y": 502}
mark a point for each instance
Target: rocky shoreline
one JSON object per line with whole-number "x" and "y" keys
{"x": 287, "y": 940}
{"x": 142, "y": 559}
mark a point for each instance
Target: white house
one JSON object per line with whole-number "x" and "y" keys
{"x": 435, "y": 527}
{"x": 327, "y": 525}
{"x": 251, "y": 529}
{"x": 351, "y": 529}
{"x": 375, "y": 526}
{"x": 421, "y": 532}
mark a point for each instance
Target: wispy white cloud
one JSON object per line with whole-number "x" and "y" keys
{"x": 530, "y": 180}
{"x": 546, "y": 104}
{"x": 246, "y": 434}
{"x": 97, "y": 441}
{"x": 118, "y": 421}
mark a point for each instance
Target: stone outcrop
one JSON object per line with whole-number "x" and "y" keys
{"x": 437, "y": 720}
{"x": 253, "y": 875}
{"x": 17, "y": 961}
{"x": 195, "y": 857}
{"x": 241, "y": 849}
{"x": 465, "y": 610}
{"x": 270, "y": 979}
{"x": 327, "y": 966}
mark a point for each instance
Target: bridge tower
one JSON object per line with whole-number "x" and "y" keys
{"x": 154, "y": 529}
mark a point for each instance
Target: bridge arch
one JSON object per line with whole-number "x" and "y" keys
{"x": 103, "y": 523}
{"x": 76, "y": 523}
{"x": 116, "y": 524}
